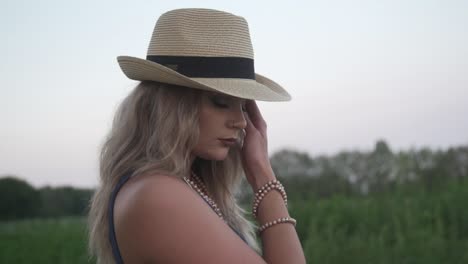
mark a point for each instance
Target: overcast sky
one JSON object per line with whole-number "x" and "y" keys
{"x": 358, "y": 71}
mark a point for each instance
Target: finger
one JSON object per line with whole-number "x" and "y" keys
{"x": 255, "y": 115}
{"x": 250, "y": 127}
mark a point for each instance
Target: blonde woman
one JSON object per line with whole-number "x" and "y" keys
{"x": 180, "y": 144}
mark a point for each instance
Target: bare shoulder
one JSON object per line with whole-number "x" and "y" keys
{"x": 160, "y": 219}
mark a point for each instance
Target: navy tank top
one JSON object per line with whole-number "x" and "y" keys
{"x": 112, "y": 237}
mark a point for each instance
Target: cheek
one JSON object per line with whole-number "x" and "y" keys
{"x": 210, "y": 127}
{"x": 210, "y": 122}
{"x": 208, "y": 146}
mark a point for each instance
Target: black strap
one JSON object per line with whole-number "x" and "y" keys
{"x": 208, "y": 67}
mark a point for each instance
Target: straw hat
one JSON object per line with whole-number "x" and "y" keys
{"x": 203, "y": 49}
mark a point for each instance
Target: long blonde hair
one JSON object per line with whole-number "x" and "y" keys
{"x": 142, "y": 139}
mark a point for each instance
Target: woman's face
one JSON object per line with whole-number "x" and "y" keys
{"x": 221, "y": 117}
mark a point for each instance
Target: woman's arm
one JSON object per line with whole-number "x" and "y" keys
{"x": 280, "y": 242}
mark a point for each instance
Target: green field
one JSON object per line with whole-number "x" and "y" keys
{"x": 397, "y": 227}
{"x": 45, "y": 241}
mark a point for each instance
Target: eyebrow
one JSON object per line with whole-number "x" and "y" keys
{"x": 227, "y": 96}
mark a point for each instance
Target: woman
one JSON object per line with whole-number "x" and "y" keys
{"x": 180, "y": 144}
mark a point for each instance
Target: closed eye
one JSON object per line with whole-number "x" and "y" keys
{"x": 219, "y": 102}
{"x": 225, "y": 102}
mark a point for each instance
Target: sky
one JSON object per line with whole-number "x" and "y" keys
{"x": 358, "y": 71}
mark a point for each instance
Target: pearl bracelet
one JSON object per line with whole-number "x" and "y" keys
{"x": 277, "y": 221}
{"x": 261, "y": 193}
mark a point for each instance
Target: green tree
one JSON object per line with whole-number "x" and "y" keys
{"x": 18, "y": 199}
{"x": 64, "y": 201}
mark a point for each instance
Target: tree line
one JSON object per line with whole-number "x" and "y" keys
{"x": 19, "y": 200}
{"x": 365, "y": 173}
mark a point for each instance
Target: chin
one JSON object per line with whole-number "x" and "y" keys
{"x": 214, "y": 155}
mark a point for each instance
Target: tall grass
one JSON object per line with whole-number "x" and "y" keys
{"x": 398, "y": 227}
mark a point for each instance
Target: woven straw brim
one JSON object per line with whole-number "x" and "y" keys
{"x": 262, "y": 88}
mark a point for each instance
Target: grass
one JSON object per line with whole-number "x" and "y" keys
{"x": 44, "y": 241}
{"x": 412, "y": 227}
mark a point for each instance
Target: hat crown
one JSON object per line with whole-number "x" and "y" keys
{"x": 201, "y": 32}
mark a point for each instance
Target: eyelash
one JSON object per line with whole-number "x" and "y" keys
{"x": 219, "y": 104}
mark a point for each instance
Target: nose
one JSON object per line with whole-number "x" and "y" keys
{"x": 238, "y": 120}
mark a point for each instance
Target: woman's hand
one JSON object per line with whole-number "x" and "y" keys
{"x": 254, "y": 152}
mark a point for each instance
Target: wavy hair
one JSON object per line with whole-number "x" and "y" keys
{"x": 142, "y": 140}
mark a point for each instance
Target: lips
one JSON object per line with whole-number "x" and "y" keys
{"x": 228, "y": 141}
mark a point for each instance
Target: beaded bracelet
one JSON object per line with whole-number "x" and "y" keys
{"x": 261, "y": 193}
{"x": 275, "y": 222}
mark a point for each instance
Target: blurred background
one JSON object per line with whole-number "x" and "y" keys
{"x": 373, "y": 148}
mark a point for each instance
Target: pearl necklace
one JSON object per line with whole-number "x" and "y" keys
{"x": 197, "y": 185}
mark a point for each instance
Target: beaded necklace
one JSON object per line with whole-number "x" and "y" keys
{"x": 198, "y": 185}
